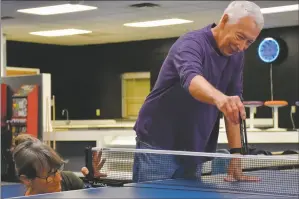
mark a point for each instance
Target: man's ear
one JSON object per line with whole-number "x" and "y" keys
{"x": 25, "y": 180}
{"x": 224, "y": 20}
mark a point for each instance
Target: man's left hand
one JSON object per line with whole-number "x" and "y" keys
{"x": 235, "y": 172}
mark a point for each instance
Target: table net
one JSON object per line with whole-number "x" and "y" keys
{"x": 278, "y": 175}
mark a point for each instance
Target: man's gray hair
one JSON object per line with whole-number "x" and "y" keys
{"x": 32, "y": 157}
{"x": 239, "y": 9}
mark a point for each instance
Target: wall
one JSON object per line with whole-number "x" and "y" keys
{"x": 3, "y": 52}
{"x": 85, "y": 78}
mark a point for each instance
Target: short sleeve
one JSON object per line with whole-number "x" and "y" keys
{"x": 188, "y": 61}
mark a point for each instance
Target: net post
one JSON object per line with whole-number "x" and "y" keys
{"x": 89, "y": 164}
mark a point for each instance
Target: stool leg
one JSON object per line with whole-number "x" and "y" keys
{"x": 222, "y": 125}
{"x": 275, "y": 117}
{"x": 295, "y": 111}
{"x": 252, "y": 110}
{"x": 251, "y": 117}
{"x": 275, "y": 121}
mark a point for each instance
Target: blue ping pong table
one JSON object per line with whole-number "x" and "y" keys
{"x": 194, "y": 189}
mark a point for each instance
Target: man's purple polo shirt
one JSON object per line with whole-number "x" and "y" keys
{"x": 170, "y": 117}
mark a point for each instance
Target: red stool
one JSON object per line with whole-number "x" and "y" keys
{"x": 252, "y": 105}
{"x": 275, "y": 105}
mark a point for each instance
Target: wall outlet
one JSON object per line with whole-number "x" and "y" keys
{"x": 293, "y": 109}
{"x": 98, "y": 112}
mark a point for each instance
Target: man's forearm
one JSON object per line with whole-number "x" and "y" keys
{"x": 233, "y": 134}
{"x": 203, "y": 91}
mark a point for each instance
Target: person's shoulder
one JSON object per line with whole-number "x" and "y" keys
{"x": 69, "y": 174}
{"x": 198, "y": 35}
{"x": 70, "y": 181}
{"x": 195, "y": 39}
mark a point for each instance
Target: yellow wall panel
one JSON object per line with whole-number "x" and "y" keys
{"x": 133, "y": 109}
{"x": 135, "y": 92}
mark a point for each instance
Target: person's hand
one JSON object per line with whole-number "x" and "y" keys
{"x": 235, "y": 172}
{"x": 98, "y": 164}
{"x": 231, "y": 107}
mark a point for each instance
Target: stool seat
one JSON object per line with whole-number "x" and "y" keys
{"x": 297, "y": 103}
{"x": 276, "y": 103}
{"x": 253, "y": 103}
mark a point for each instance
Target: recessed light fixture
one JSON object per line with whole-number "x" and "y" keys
{"x": 164, "y": 22}
{"x": 57, "y": 9}
{"x": 61, "y": 32}
{"x": 278, "y": 9}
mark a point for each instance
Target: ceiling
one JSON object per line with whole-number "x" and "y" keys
{"x": 106, "y": 22}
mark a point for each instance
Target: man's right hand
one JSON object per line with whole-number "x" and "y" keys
{"x": 98, "y": 164}
{"x": 235, "y": 172}
{"x": 231, "y": 107}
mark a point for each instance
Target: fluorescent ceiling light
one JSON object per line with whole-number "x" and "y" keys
{"x": 58, "y": 33}
{"x": 278, "y": 9}
{"x": 164, "y": 22}
{"x": 57, "y": 9}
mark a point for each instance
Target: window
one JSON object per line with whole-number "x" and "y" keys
{"x": 135, "y": 88}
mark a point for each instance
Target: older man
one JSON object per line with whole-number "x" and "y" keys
{"x": 200, "y": 78}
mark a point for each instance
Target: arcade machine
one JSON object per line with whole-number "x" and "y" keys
{"x": 7, "y": 165}
{"x": 19, "y": 114}
{"x": 25, "y": 111}
{"x": 4, "y": 97}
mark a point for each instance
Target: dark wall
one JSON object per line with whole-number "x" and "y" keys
{"x": 85, "y": 78}
{"x": 285, "y": 75}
